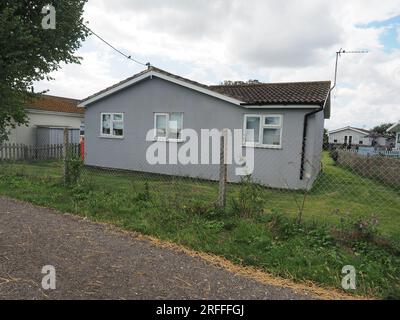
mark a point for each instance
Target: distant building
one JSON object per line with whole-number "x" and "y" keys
{"x": 48, "y": 116}
{"x": 357, "y": 137}
{"x": 396, "y": 129}
{"x": 351, "y": 136}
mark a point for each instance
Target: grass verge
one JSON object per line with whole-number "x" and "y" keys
{"x": 180, "y": 210}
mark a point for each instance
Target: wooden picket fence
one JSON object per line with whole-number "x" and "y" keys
{"x": 22, "y": 152}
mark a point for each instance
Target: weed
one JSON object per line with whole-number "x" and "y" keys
{"x": 145, "y": 195}
{"x": 250, "y": 201}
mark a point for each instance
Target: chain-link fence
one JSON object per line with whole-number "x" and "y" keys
{"x": 336, "y": 182}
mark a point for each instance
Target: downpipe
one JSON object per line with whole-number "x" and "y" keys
{"x": 305, "y": 127}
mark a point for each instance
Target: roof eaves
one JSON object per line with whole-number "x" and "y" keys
{"x": 152, "y": 71}
{"x": 284, "y": 103}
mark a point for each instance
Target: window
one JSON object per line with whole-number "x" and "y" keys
{"x": 252, "y": 129}
{"x": 335, "y": 141}
{"x": 168, "y": 126}
{"x": 263, "y": 130}
{"x": 82, "y": 128}
{"x": 360, "y": 142}
{"x": 112, "y": 125}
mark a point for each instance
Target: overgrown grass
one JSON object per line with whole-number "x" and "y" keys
{"x": 181, "y": 210}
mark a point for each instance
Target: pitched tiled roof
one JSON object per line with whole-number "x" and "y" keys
{"x": 313, "y": 93}
{"x": 57, "y": 104}
{"x": 278, "y": 93}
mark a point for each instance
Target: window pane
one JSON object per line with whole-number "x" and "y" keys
{"x": 272, "y": 137}
{"x": 106, "y": 124}
{"x": 118, "y": 128}
{"x": 161, "y": 125}
{"x": 82, "y": 128}
{"x": 117, "y": 117}
{"x": 272, "y": 121}
{"x": 252, "y": 129}
{"x": 175, "y": 125}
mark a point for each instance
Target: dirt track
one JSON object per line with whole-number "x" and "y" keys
{"x": 96, "y": 261}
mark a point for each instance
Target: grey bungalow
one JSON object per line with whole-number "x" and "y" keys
{"x": 287, "y": 118}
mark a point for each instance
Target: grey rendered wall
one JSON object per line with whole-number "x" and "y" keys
{"x": 275, "y": 168}
{"x": 314, "y": 148}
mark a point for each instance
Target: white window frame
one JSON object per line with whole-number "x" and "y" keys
{"x": 263, "y": 126}
{"x": 248, "y": 143}
{"x": 167, "y": 114}
{"x": 111, "y": 134}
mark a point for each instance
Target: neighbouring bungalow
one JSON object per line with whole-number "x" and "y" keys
{"x": 350, "y": 136}
{"x": 48, "y": 116}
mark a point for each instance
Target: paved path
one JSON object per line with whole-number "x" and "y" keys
{"x": 96, "y": 261}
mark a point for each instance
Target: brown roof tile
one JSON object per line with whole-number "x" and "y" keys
{"x": 57, "y": 104}
{"x": 254, "y": 94}
{"x": 278, "y": 93}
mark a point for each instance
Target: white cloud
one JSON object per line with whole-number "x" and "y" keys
{"x": 210, "y": 41}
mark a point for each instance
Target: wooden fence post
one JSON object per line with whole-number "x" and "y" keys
{"x": 65, "y": 155}
{"x": 223, "y": 169}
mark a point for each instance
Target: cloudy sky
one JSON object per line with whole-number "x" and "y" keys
{"x": 214, "y": 40}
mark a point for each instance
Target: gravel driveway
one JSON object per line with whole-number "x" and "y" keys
{"x": 97, "y": 261}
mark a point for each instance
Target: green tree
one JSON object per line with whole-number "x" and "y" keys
{"x": 382, "y": 129}
{"x": 326, "y": 140}
{"x": 29, "y": 52}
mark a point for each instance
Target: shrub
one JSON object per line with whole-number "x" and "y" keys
{"x": 283, "y": 227}
{"x": 334, "y": 154}
{"x": 250, "y": 201}
{"x": 203, "y": 209}
{"x": 364, "y": 229}
{"x": 74, "y": 170}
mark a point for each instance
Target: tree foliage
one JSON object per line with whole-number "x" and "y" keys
{"x": 382, "y": 129}
{"x": 28, "y": 52}
{"x": 325, "y": 142}
{"x": 238, "y": 83}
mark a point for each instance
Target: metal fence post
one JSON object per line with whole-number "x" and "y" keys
{"x": 223, "y": 169}
{"x": 65, "y": 156}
